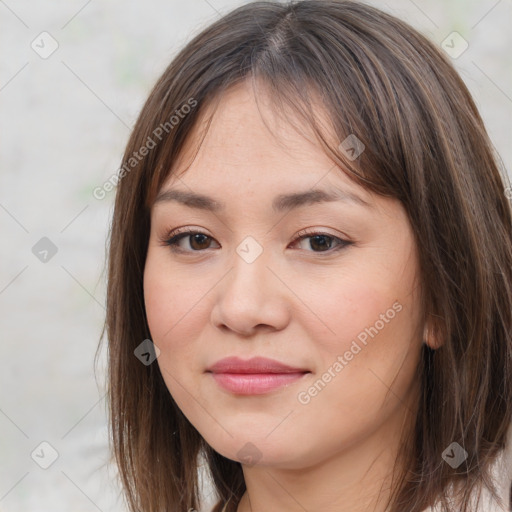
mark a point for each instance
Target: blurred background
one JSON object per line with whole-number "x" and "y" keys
{"x": 73, "y": 77}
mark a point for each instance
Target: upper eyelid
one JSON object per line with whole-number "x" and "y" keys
{"x": 180, "y": 233}
{"x": 303, "y": 233}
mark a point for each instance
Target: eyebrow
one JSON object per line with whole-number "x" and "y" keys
{"x": 281, "y": 203}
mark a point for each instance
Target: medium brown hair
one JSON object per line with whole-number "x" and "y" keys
{"x": 425, "y": 145}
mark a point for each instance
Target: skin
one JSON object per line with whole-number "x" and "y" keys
{"x": 296, "y": 303}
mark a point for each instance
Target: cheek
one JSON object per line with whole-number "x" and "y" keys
{"x": 348, "y": 306}
{"x": 170, "y": 300}
{"x": 371, "y": 320}
{"x": 167, "y": 302}
{"x": 177, "y": 309}
{"x": 364, "y": 370}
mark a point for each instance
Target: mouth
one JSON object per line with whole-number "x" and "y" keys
{"x": 255, "y": 376}
{"x": 255, "y": 383}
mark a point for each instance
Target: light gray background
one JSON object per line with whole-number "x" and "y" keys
{"x": 65, "y": 121}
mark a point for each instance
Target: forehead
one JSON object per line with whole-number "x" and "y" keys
{"x": 247, "y": 142}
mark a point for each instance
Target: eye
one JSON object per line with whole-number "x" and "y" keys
{"x": 322, "y": 241}
{"x": 199, "y": 241}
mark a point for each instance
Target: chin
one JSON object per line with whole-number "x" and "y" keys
{"x": 258, "y": 450}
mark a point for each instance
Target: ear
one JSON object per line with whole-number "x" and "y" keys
{"x": 431, "y": 335}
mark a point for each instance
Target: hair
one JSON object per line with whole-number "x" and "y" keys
{"x": 425, "y": 145}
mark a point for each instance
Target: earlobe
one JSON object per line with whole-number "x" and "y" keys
{"x": 431, "y": 337}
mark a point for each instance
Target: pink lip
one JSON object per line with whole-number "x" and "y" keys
{"x": 255, "y": 376}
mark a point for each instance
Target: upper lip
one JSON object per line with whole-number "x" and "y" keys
{"x": 253, "y": 365}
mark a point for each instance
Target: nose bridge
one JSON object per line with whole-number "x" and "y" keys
{"x": 249, "y": 250}
{"x": 250, "y": 273}
{"x": 249, "y": 295}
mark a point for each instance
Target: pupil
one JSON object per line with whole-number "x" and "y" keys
{"x": 320, "y": 237}
{"x": 195, "y": 239}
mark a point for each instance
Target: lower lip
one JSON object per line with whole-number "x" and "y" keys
{"x": 255, "y": 383}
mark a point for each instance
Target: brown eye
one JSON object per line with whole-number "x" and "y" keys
{"x": 321, "y": 242}
{"x": 197, "y": 241}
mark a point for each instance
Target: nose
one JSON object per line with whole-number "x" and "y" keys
{"x": 251, "y": 298}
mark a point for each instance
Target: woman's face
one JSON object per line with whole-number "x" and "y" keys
{"x": 327, "y": 287}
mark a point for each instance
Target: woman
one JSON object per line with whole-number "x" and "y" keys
{"x": 310, "y": 274}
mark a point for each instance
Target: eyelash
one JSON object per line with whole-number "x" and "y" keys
{"x": 173, "y": 238}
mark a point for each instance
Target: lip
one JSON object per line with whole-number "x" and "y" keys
{"x": 254, "y": 376}
{"x": 253, "y": 365}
